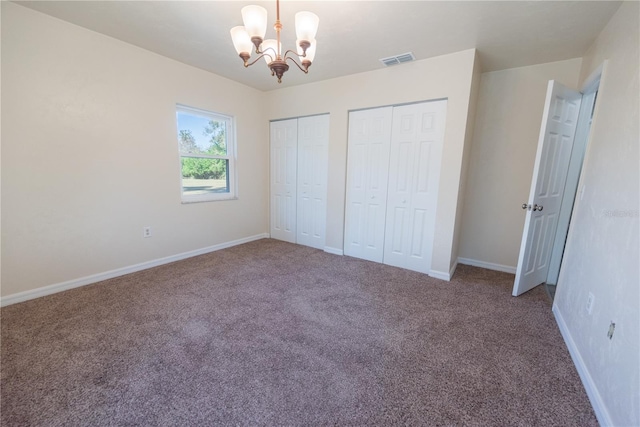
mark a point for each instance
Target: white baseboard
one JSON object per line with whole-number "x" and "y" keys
{"x": 590, "y": 387}
{"x": 87, "y": 280}
{"x": 443, "y": 275}
{"x": 439, "y": 275}
{"x": 452, "y": 270}
{"x": 487, "y": 265}
{"x": 334, "y": 251}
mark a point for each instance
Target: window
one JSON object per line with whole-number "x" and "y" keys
{"x": 207, "y": 155}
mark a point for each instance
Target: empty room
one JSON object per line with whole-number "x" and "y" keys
{"x": 320, "y": 213}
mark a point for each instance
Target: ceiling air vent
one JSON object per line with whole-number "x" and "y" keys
{"x": 398, "y": 59}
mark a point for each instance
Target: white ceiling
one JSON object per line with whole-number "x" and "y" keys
{"x": 352, "y": 36}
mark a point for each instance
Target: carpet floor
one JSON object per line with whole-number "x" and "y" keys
{"x": 271, "y": 333}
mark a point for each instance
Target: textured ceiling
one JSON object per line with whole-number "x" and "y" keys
{"x": 352, "y": 36}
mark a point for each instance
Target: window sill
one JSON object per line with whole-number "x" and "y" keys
{"x": 189, "y": 201}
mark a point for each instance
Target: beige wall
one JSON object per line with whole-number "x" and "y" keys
{"x": 505, "y": 138}
{"x": 89, "y": 154}
{"x": 468, "y": 140}
{"x": 448, "y": 76}
{"x": 602, "y": 250}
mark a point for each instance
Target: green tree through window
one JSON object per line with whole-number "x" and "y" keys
{"x": 203, "y": 168}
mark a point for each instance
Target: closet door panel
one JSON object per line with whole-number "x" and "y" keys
{"x": 399, "y": 197}
{"x": 426, "y": 180}
{"x": 367, "y": 178}
{"x": 415, "y": 158}
{"x": 284, "y": 142}
{"x": 313, "y": 148}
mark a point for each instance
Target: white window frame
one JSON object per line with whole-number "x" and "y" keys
{"x": 232, "y": 194}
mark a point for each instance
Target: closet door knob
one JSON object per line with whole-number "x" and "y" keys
{"x": 538, "y": 208}
{"x": 526, "y": 206}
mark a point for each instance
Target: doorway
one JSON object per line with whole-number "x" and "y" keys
{"x": 589, "y": 99}
{"x": 545, "y": 234}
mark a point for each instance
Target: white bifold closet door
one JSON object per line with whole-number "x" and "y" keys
{"x": 367, "y": 177}
{"x": 414, "y": 172}
{"x": 393, "y": 171}
{"x": 299, "y": 161}
{"x": 313, "y": 153}
{"x": 284, "y": 170}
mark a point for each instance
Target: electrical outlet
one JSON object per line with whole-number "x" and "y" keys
{"x": 590, "y": 301}
{"x": 146, "y": 232}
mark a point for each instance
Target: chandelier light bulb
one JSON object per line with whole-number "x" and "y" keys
{"x": 306, "y": 25}
{"x": 255, "y": 20}
{"x": 241, "y": 40}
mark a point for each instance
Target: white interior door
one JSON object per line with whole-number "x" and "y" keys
{"x": 313, "y": 145}
{"x": 573, "y": 176}
{"x": 284, "y": 143}
{"x": 367, "y": 176}
{"x": 414, "y": 172}
{"x": 555, "y": 143}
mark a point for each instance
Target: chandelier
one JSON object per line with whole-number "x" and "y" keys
{"x": 253, "y": 32}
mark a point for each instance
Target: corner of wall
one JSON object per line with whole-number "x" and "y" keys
{"x": 601, "y": 253}
{"x": 466, "y": 154}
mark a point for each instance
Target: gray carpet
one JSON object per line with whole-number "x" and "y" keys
{"x": 271, "y": 333}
